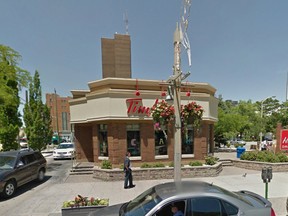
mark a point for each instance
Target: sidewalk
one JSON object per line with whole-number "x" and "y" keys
{"x": 49, "y": 201}
{"x": 231, "y": 178}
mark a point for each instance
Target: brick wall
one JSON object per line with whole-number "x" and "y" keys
{"x": 83, "y": 142}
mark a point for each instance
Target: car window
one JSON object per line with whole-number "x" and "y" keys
{"x": 230, "y": 209}
{"x": 64, "y": 146}
{"x": 7, "y": 162}
{"x": 27, "y": 159}
{"x": 142, "y": 204}
{"x": 38, "y": 155}
{"x": 206, "y": 206}
{"x": 167, "y": 209}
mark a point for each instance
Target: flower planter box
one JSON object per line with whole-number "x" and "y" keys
{"x": 80, "y": 211}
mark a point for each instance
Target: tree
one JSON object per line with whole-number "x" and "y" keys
{"x": 37, "y": 117}
{"x": 11, "y": 74}
{"x": 12, "y": 78}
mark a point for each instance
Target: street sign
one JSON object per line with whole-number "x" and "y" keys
{"x": 284, "y": 140}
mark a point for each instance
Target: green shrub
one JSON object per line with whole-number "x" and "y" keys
{"x": 158, "y": 165}
{"x": 211, "y": 160}
{"x": 171, "y": 164}
{"x": 145, "y": 165}
{"x": 264, "y": 156}
{"x": 106, "y": 164}
{"x": 251, "y": 156}
{"x": 282, "y": 157}
{"x": 195, "y": 163}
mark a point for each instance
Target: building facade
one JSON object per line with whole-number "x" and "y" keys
{"x": 114, "y": 115}
{"x": 60, "y": 115}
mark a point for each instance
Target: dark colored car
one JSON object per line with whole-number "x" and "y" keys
{"x": 192, "y": 198}
{"x": 18, "y": 168}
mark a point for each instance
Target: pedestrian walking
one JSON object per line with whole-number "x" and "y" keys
{"x": 128, "y": 172}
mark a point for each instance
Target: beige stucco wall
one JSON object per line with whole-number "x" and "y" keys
{"x": 105, "y": 107}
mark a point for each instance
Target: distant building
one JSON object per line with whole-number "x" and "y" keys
{"x": 234, "y": 103}
{"x": 60, "y": 114}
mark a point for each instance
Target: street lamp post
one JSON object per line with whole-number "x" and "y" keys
{"x": 177, "y": 104}
{"x": 261, "y": 116}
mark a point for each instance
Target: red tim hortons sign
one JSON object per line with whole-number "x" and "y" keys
{"x": 284, "y": 140}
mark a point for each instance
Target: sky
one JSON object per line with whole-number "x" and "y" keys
{"x": 238, "y": 46}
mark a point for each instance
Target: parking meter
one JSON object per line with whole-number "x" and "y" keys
{"x": 269, "y": 173}
{"x": 266, "y": 176}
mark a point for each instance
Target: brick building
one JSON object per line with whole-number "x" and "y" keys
{"x": 60, "y": 114}
{"x": 106, "y": 122}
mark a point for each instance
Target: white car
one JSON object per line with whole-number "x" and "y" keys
{"x": 23, "y": 143}
{"x": 64, "y": 150}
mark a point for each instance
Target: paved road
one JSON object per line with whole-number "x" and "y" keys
{"x": 49, "y": 201}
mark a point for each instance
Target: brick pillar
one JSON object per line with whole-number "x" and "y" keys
{"x": 200, "y": 142}
{"x": 84, "y": 149}
{"x": 95, "y": 142}
{"x": 211, "y": 135}
{"x": 147, "y": 142}
{"x": 117, "y": 143}
{"x": 278, "y": 137}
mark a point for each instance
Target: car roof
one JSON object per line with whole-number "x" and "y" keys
{"x": 17, "y": 152}
{"x": 170, "y": 189}
{"x": 66, "y": 143}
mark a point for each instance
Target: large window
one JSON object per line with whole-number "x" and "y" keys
{"x": 160, "y": 143}
{"x": 133, "y": 139}
{"x": 64, "y": 121}
{"x": 188, "y": 141}
{"x": 103, "y": 144}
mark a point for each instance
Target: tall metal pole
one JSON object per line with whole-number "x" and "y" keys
{"x": 56, "y": 110}
{"x": 177, "y": 104}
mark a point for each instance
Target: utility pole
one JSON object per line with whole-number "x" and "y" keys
{"x": 56, "y": 115}
{"x": 177, "y": 104}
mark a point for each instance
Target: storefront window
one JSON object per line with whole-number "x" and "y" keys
{"x": 160, "y": 143}
{"x": 103, "y": 140}
{"x": 133, "y": 140}
{"x": 188, "y": 141}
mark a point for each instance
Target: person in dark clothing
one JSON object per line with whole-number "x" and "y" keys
{"x": 128, "y": 172}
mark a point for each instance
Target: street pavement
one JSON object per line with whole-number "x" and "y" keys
{"x": 231, "y": 178}
{"x": 49, "y": 201}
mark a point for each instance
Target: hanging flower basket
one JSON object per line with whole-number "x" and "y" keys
{"x": 163, "y": 114}
{"x": 192, "y": 113}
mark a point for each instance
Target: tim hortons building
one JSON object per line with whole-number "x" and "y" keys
{"x": 113, "y": 116}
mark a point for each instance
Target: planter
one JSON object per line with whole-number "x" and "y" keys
{"x": 80, "y": 211}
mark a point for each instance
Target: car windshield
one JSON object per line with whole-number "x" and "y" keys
{"x": 142, "y": 204}
{"x": 65, "y": 146}
{"x": 7, "y": 162}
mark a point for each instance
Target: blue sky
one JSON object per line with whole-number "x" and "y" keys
{"x": 238, "y": 46}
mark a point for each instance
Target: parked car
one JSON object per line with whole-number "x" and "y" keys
{"x": 237, "y": 142}
{"x": 64, "y": 150}
{"x": 18, "y": 168}
{"x": 23, "y": 143}
{"x": 192, "y": 198}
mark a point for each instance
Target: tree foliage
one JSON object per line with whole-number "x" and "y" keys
{"x": 246, "y": 120}
{"x": 37, "y": 117}
{"x": 12, "y": 78}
